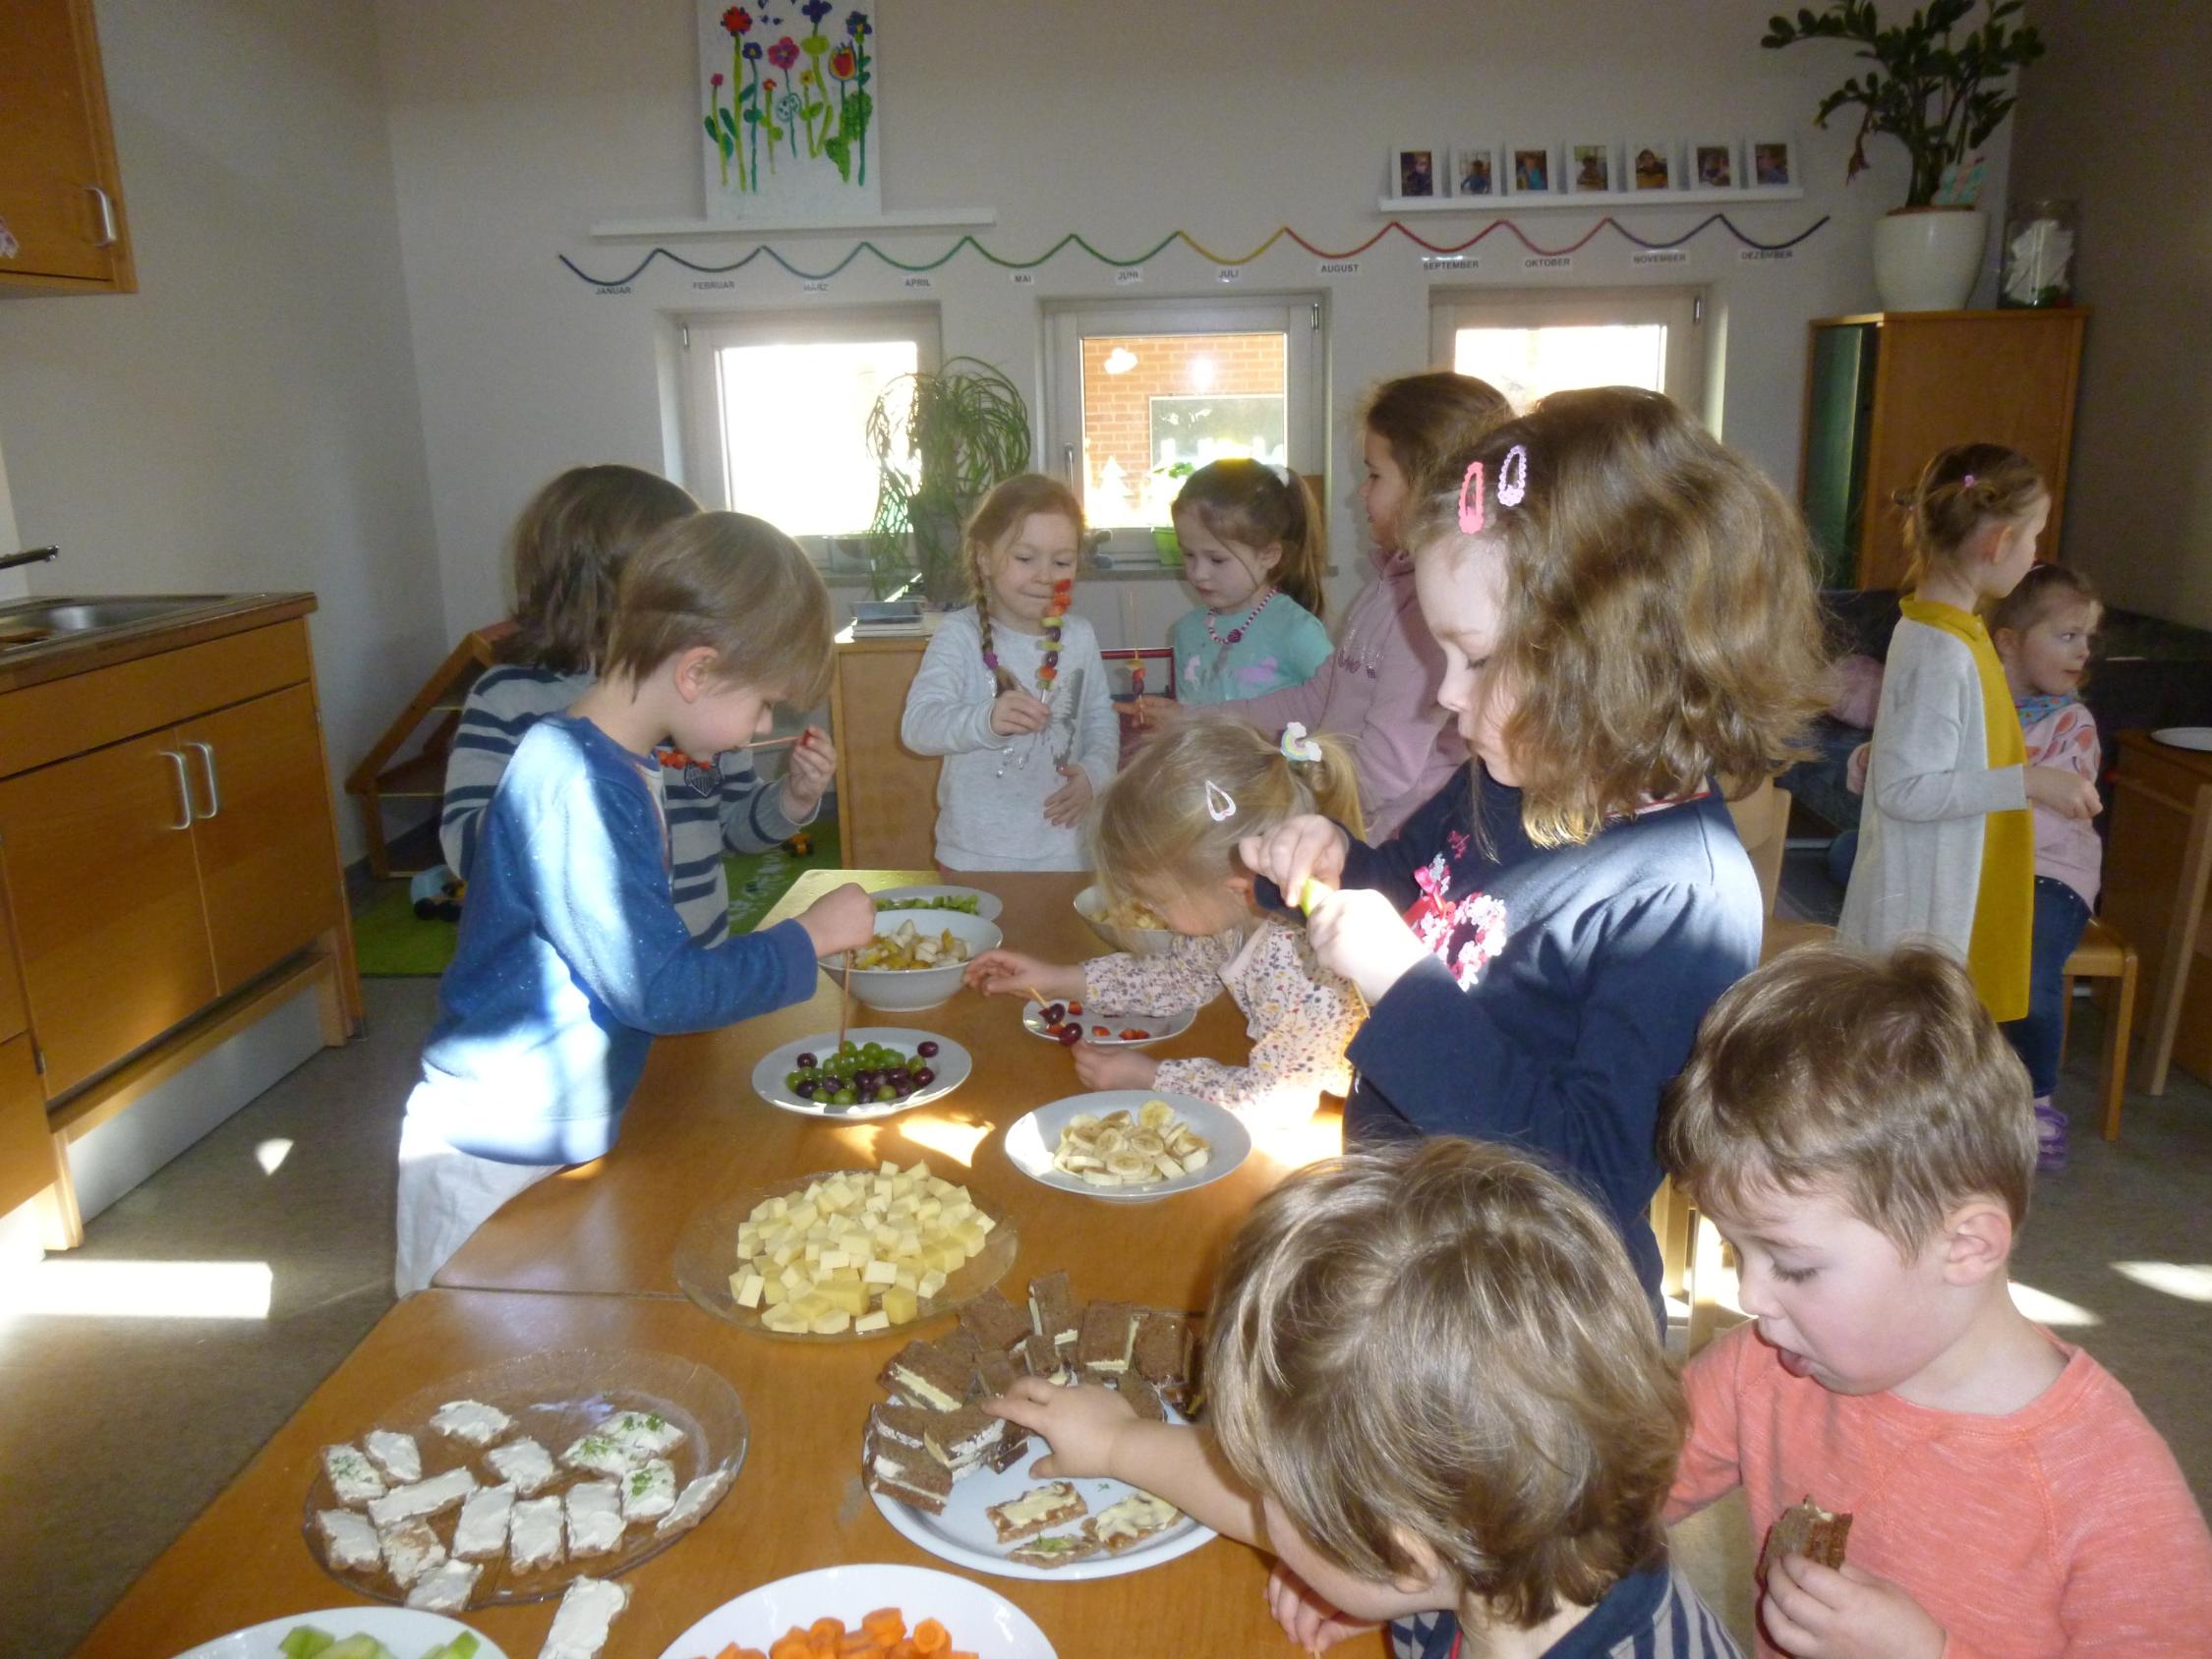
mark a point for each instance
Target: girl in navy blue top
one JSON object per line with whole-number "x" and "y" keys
{"x": 1628, "y": 623}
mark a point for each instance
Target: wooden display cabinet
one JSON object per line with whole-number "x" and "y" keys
{"x": 61, "y": 192}
{"x": 1886, "y": 391}
{"x": 887, "y": 794}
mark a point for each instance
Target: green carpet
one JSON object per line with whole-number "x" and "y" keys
{"x": 391, "y": 943}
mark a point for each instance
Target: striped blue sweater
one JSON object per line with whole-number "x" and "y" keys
{"x": 709, "y": 812}
{"x": 1651, "y": 1613}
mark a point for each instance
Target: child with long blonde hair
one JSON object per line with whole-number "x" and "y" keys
{"x": 566, "y": 551}
{"x": 1378, "y": 690}
{"x": 1627, "y": 616}
{"x": 1256, "y": 554}
{"x": 1013, "y": 692}
{"x": 1947, "y": 848}
{"x": 1167, "y": 836}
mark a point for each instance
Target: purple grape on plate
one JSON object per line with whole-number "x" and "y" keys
{"x": 927, "y": 1051}
{"x": 924, "y": 1077}
{"x": 807, "y": 1062}
{"x": 804, "y": 1088}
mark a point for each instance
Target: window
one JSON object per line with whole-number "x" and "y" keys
{"x": 776, "y": 407}
{"x": 1530, "y": 344}
{"x": 1139, "y": 395}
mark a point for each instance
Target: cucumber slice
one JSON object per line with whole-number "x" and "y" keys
{"x": 305, "y": 1641}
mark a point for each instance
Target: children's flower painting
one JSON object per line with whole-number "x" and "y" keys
{"x": 791, "y": 110}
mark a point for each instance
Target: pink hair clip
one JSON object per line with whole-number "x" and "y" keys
{"x": 1512, "y": 487}
{"x": 1966, "y": 482}
{"x": 1471, "y": 517}
{"x": 1221, "y": 806}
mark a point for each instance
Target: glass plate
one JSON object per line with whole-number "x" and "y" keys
{"x": 706, "y": 1255}
{"x": 554, "y": 1398}
{"x": 950, "y": 1062}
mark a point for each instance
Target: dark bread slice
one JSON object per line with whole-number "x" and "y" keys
{"x": 1806, "y": 1529}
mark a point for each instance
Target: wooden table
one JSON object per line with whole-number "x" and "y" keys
{"x": 696, "y": 1133}
{"x": 797, "y": 1504}
{"x": 584, "y": 1260}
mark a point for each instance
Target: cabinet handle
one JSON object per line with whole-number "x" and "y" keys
{"x": 109, "y": 234}
{"x": 184, "y": 787}
{"x": 214, "y": 789}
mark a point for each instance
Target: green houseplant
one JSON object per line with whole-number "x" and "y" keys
{"x": 940, "y": 440}
{"x": 1941, "y": 98}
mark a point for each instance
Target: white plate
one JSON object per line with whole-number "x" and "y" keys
{"x": 1157, "y": 1028}
{"x": 2185, "y": 737}
{"x": 952, "y": 1063}
{"x": 987, "y": 905}
{"x": 965, "y": 1536}
{"x": 979, "y": 1621}
{"x": 404, "y": 1630}
{"x": 1030, "y": 1142}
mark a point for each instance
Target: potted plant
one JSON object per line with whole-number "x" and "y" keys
{"x": 940, "y": 440}
{"x": 1167, "y": 480}
{"x": 1934, "y": 95}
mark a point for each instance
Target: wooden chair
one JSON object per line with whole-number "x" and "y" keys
{"x": 2104, "y": 954}
{"x": 382, "y": 778}
{"x": 1763, "y": 825}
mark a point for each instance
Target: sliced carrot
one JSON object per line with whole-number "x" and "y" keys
{"x": 790, "y": 1646}
{"x": 905, "y": 1650}
{"x": 860, "y": 1645}
{"x": 886, "y": 1623}
{"x": 830, "y": 1629}
{"x": 930, "y": 1638}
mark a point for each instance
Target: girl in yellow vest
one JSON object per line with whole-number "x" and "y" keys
{"x": 1947, "y": 846}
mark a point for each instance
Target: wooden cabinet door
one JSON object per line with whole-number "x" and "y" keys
{"x": 264, "y": 831}
{"x": 27, "y": 1147}
{"x": 14, "y": 1017}
{"x": 104, "y": 890}
{"x": 887, "y": 794}
{"x": 59, "y": 195}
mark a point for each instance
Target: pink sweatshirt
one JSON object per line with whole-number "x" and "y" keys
{"x": 2064, "y": 1528}
{"x": 1379, "y": 690}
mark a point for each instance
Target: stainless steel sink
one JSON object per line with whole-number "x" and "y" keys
{"x": 45, "y": 621}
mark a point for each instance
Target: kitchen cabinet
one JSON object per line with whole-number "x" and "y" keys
{"x": 1886, "y": 391}
{"x": 61, "y": 193}
{"x": 168, "y": 860}
{"x": 887, "y": 794}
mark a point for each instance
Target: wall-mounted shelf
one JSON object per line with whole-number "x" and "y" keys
{"x": 1510, "y": 204}
{"x": 926, "y": 218}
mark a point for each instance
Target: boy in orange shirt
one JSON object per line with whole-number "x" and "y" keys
{"x": 1860, "y": 1131}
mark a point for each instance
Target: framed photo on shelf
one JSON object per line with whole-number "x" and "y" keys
{"x": 1413, "y": 173}
{"x": 1532, "y": 171}
{"x": 1651, "y": 164}
{"x": 1715, "y": 164}
{"x": 1591, "y": 169}
{"x": 1475, "y": 173}
{"x": 1774, "y": 163}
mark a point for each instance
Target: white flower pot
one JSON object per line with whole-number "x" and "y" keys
{"x": 1926, "y": 258}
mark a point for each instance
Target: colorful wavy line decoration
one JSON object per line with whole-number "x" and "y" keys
{"x": 1075, "y": 239}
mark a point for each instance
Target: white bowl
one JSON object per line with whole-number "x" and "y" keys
{"x": 906, "y": 991}
{"x": 1090, "y": 905}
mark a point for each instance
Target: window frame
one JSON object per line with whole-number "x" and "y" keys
{"x": 1300, "y": 317}
{"x": 1681, "y": 310}
{"x": 704, "y": 335}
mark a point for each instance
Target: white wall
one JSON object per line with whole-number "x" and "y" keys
{"x": 513, "y": 129}
{"x": 249, "y": 418}
{"x": 2139, "y": 487}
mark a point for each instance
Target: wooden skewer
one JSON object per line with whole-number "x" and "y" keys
{"x": 776, "y": 742}
{"x": 845, "y": 999}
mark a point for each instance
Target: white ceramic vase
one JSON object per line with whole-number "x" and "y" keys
{"x": 1926, "y": 258}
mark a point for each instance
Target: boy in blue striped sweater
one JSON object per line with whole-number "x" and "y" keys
{"x": 567, "y": 550}
{"x": 573, "y": 956}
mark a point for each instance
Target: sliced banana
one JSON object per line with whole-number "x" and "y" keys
{"x": 1121, "y": 1149}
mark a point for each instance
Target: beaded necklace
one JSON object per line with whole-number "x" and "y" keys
{"x": 1055, "y": 618}
{"x": 1243, "y": 628}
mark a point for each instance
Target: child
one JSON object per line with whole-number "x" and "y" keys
{"x": 1437, "y": 1398}
{"x": 1253, "y": 548}
{"x": 2042, "y": 631}
{"x": 573, "y": 956}
{"x": 1379, "y": 690}
{"x": 1859, "y": 1131}
{"x": 1167, "y": 836}
{"x": 1014, "y": 694}
{"x": 567, "y": 550}
{"x": 1945, "y": 848}
{"x": 1627, "y": 614}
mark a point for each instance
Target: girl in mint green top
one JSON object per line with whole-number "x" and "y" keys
{"x": 1254, "y": 549}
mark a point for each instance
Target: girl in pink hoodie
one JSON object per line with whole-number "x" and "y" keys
{"x": 1378, "y": 688}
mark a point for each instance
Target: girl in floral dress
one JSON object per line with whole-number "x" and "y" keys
{"x": 1628, "y": 623}
{"x": 1167, "y": 836}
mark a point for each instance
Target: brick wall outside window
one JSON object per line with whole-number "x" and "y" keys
{"x": 1118, "y": 408}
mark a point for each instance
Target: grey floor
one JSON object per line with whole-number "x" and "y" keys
{"x": 169, "y": 1411}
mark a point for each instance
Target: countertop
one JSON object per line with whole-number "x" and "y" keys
{"x": 212, "y": 617}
